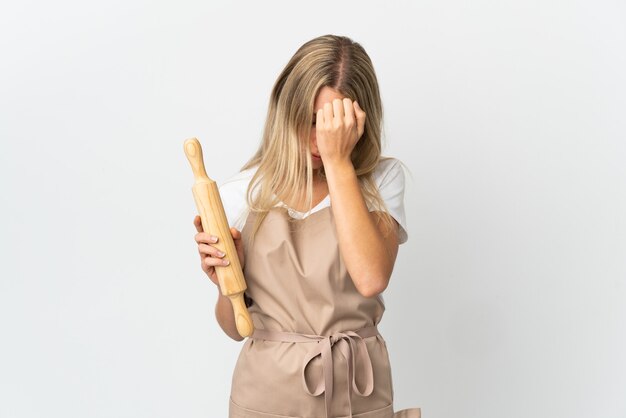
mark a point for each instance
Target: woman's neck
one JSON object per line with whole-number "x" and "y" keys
{"x": 320, "y": 191}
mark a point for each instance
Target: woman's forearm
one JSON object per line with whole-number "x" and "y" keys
{"x": 361, "y": 243}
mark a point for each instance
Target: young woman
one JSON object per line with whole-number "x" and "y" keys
{"x": 317, "y": 215}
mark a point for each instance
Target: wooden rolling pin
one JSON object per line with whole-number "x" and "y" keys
{"x": 214, "y": 221}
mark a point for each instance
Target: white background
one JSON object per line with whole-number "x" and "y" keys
{"x": 508, "y": 300}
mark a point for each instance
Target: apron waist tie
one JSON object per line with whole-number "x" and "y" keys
{"x": 351, "y": 346}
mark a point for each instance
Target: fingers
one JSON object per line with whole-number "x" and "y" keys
{"x": 212, "y": 256}
{"x": 348, "y": 112}
{"x": 210, "y": 250}
{"x": 205, "y": 249}
{"x": 328, "y": 114}
{"x": 343, "y": 111}
{"x": 205, "y": 238}
{"x": 338, "y": 109}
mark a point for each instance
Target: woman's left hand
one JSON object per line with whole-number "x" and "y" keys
{"x": 339, "y": 126}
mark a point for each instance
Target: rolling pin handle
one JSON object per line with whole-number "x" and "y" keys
{"x": 193, "y": 151}
{"x": 242, "y": 317}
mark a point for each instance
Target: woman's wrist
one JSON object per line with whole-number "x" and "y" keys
{"x": 338, "y": 167}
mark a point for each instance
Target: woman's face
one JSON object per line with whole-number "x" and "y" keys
{"x": 325, "y": 95}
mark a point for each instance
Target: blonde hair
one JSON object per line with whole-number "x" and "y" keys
{"x": 284, "y": 156}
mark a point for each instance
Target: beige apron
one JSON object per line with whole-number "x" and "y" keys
{"x": 316, "y": 351}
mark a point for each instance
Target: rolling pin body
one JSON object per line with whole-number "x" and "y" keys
{"x": 211, "y": 210}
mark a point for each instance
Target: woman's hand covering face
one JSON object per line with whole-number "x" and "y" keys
{"x": 339, "y": 126}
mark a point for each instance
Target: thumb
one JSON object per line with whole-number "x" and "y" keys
{"x": 237, "y": 241}
{"x": 236, "y": 234}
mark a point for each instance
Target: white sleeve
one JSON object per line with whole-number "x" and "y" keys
{"x": 389, "y": 177}
{"x": 233, "y": 195}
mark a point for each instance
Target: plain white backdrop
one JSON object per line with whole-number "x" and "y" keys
{"x": 508, "y": 300}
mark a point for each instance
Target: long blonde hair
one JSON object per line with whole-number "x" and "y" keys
{"x": 284, "y": 155}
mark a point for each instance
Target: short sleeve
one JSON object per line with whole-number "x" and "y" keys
{"x": 389, "y": 177}
{"x": 233, "y": 194}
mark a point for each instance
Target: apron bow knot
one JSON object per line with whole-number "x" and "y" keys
{"x": 354, "y": 350}
{"x": 350, "y": 344}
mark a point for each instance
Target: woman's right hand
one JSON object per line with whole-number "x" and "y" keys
{"x": 209, "y": 255}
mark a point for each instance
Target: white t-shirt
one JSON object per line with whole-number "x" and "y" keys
{"x": 389, "y": 177}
